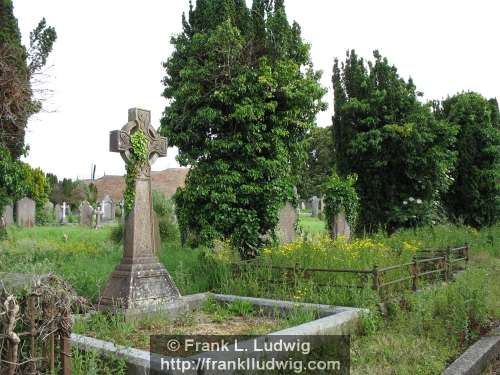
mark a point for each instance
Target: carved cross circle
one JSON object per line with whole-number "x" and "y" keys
{"x": 138, "y": 120}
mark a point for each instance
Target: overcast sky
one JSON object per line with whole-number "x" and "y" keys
{"x": 108, "y": 57}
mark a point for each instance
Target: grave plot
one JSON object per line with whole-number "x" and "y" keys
{"x": 142, "y": 292}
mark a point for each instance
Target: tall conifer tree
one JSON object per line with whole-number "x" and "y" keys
{"x": 243, "y": 96}
{"x": 399, "y": 150}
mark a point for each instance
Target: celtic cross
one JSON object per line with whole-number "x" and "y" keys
{"x": 138, "y": 120}
{"x": 140, "y": 280}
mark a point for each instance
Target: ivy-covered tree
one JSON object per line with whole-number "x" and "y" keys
{"x": 17, "y": 66}
{"x": 319, "y": 163}
{"x": 393, "y": 142}
{"x": 243, "y": 95}
{"x": 474, "y": 196}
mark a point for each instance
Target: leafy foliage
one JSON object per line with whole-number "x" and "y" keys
{"x": 165, "y": 211}
{"x": 319, "y": 164}
{"x": 139, "y": 153}
{"x": 474, "y": 196}
{"x": 18, "y": 179}
{"x": 394, "y": 143}
{"x": 340, "y": 196}
{"x": 243, "y": 97}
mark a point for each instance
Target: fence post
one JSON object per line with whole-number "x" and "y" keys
{"x": 414, "y": 273}
{"x": 31, "y": 313}
{"x": 448, "y": 270}
{"x": 466, "y": 254}
{"x": 376, "y": 278}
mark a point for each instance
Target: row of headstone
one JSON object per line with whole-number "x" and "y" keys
{"x": 25, "y": 213}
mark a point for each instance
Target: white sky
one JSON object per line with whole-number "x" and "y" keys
{"x": 108, "y": 58}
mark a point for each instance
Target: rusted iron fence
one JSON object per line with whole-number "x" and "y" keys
{"x": 35, "y": 336}
{"x": 426, "y": 266}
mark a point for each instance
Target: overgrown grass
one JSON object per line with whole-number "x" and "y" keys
{"x": 310, "y": 225}
{"x": 425, "y": 331}
{"x": 85, "y": 257}
{"x": 234, "y": 318}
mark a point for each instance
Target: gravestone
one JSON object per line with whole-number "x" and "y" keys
{"x": 108, "y": 208}
{"x": 122, "y": 211}
{"x": 49, "y": 209}
{"x": 58, "y": 212}
{"x": 314, "y": 206}
{"x": 98, "y": 216}
{"x": 287, "y": 223}
{"x": 86, "y": 213}
{"x": 340, "y": 227}
{"x": 63, "y": 213}
{"x": 25, "y": 213}
{"x": 8, "y": 215}
{"x": 140, "y": 280}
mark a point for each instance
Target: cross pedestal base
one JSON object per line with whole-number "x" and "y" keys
{"x": 141, "y": 284}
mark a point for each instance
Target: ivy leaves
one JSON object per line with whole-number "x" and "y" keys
{"x": 340, "y": 196}
{"x": 140, "y": 155}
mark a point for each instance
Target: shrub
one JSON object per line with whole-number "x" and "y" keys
{"x": 165, "y": 211}
{"x": 340, "y": 196}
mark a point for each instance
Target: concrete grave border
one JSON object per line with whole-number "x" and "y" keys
{"x": 333, "y": 320}
{"x": 478, "y": 356}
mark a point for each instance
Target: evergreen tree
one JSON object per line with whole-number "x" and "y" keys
{"x": 17, "y": 66}
{"x": 319, "y": 163}
{"x": 393, "y": 142}
{"x": 243, "y": 97}
{"x": 474, "y": 196}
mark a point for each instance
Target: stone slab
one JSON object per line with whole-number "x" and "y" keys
{"x": 8, "y": 215}
{"x": 25, "y": 212}
{"x": 12, "y": 281}
{"x": 477, "y": 357}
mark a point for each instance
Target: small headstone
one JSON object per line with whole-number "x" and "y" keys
{"x": 122, "y": 211}
{"x": 98, "y": 217}
{"x": 8, "y": 215}
{"x": 314, "y": 206}
{"x": 340, "y": 227}
{"x": 287, "y": 223}
{"x": 108, "y": 207}
{"x": 302, "y": 205}
{"x": 49, "y": 209}
{"x": 64, "y": 212}
{"x": 25, "y": 213}
{"x": 58, "y": 212}
{"x": 86, "y": 213}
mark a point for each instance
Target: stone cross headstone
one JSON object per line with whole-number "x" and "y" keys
{"x": 25, "y": 212}
{"x": 314, "y": 206}
{"x": 8, "y": 215}
{"x": 340, "y": 227}
{"x": 86, "y": 213}
{"x": 122, "y": 211}
{"x": 64, "y": 218}
{"x": 140, "y": 280}
{"x": 98, "y": 216}
{"x": 287, "y": 223}
{"x": 108, "y": 207}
